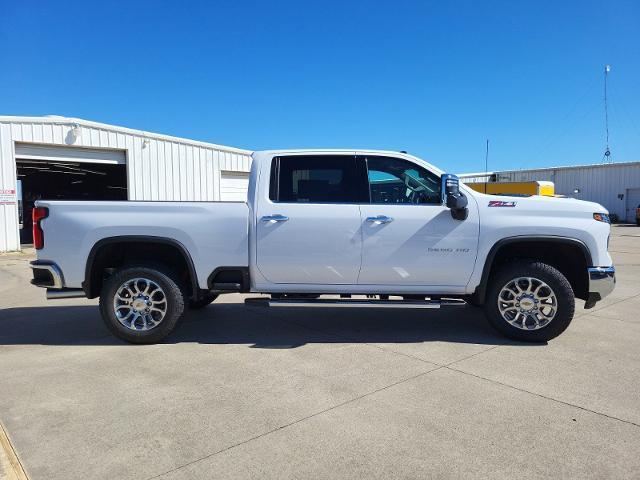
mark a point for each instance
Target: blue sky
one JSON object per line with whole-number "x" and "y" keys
{"x": 433, "y": 78}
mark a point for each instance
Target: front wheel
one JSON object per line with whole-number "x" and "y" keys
{"x": 141, "y": 304}
{"x": 529, "y": 301}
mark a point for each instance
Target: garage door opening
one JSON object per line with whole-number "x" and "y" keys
{"x": 57, "y": 180}
{"x": 234, "y": 186}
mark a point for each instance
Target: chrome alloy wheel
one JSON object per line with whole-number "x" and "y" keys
{"x": 527, "y": 303}
{"x": 140, "y": 304}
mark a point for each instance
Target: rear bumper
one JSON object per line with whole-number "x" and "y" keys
{"x": 602, "y": 281}
{"x": 46, "y": 275}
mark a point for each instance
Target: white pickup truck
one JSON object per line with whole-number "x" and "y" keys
{"x": 330, "y": 228}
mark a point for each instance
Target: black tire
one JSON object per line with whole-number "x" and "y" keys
{"x": 175, "y": 304}
{"x": 565, "y": 299}
{"x": 203, "y": 301}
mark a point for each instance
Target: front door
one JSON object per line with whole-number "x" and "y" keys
{"x": 409, "y": 237}
{"x": 309, "y": 230}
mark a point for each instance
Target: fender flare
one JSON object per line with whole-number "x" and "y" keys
{"x": 480, "y": 293}
{"x": 86, "y": 285}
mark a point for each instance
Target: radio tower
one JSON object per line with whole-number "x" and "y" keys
{"x": 607, "y": 153}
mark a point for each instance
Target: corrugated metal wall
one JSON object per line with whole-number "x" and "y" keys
{"x": 159, "y": 167}
{"x": 9, "y": 235}
{"x": 603, "y": 184}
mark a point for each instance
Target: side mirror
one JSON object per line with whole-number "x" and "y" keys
{"x": 453, "y": 198}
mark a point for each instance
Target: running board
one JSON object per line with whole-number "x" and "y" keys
{"x": 345, "y": 303}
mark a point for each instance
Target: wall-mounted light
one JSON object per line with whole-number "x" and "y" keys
{"x": 145, "y": 143}
{"x": 576, "y": 190}
{"x": 75, "y": 131}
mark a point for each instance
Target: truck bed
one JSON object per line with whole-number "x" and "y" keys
{"x": 214, "y": 233}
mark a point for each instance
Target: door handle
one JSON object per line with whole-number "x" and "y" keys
{"x": 380, "y": 219}
{"x": 274, "y": 218}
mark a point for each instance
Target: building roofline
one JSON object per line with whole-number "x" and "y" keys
{"x": 60, "y": 120}
{"x": 546, "y": 169}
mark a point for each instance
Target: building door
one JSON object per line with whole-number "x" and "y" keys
{"x": 234, "y": 186}
{"x": 67, "y": 173}
{"x": 633, "y": 202}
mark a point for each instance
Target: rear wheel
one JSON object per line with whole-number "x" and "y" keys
{"x": 141, "y": 304}
{"x": 530, "y": 301}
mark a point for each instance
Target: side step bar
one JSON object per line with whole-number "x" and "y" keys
{"x": 344, "y": 303}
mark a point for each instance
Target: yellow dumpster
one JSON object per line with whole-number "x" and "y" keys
{"x": 537, "y": 187}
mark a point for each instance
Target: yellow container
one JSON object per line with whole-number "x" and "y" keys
{"x": 536, "y": 187}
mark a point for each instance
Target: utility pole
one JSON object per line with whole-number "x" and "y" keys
{"x": 486, "y": 166}
{"x": 607, "y": 153}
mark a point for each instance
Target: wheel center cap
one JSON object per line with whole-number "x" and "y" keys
{"x": 527, "y": 304}
{"x": 139, "y": 304}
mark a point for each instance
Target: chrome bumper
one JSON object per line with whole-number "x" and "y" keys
{"x": 602, "y": 280}
{"x": 46, "y": 275}
{"x": 49, "y": 276}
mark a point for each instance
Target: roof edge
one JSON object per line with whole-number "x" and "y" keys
{"x": 60, "y": 120}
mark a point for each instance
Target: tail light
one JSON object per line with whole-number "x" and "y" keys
{"x": 38, "y": 213}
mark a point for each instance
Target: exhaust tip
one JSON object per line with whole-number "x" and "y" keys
{"x": 54, "y": 293}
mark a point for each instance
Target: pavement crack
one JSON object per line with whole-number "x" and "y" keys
{"x": 436, "y": 367}
{"x": 385, "y": 349}
{"x": 540, "y": 395}
{"x": 295, "y": 422}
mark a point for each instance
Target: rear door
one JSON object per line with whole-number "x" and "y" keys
{"x": 308, "y": 231}
{"x": 409, "y": 237}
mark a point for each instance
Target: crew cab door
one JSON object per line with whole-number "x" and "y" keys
{"x": 409, "y": 237}
{"x": 308, "y": 230}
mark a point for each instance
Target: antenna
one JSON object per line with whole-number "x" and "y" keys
{"x": 607, "y": 152}
{"x": 486, "y": 166}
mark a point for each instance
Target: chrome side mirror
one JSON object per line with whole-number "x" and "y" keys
{"x": 453, "y": 198}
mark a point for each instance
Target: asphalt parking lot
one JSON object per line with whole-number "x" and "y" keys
{"x": 242, "y": 392}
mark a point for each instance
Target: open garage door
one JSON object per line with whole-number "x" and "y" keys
{"x": 234, "y": 186}
{"x": 48, "y": 174}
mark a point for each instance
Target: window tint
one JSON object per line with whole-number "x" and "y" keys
{"x": 316, "y": 179}
{"x": 393, "y": 181}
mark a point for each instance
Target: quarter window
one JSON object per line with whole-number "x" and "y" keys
{"x": 397, "y": 181}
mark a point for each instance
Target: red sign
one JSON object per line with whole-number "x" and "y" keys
{"x": 7, "y": 196}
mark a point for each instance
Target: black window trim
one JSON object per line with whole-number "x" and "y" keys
{"x": 365, "y": 157}
{"x": 362, "y": 171}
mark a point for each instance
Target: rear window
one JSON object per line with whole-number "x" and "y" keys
{"x": 317, "y": 179}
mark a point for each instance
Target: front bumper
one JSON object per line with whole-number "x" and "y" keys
{"x": 602, "y": 281}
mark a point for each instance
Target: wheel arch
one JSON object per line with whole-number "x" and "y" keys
{"x": 576, "y": 275}
{"x": 96, "y": 263}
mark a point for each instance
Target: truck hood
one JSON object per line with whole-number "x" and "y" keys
{"x": 538, "y": 202}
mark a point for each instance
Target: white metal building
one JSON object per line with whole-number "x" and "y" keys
{"x": 68, "y": 158}
{"x": 616, "y": 186}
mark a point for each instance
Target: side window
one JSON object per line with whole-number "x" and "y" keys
{"x": 316, "y": 179}
{"x": 395, "y": 181}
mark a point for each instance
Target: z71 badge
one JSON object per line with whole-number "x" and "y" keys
{"x": 501, "y": 203}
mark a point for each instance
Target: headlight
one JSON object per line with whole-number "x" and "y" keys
{"x": 601, "y": 217}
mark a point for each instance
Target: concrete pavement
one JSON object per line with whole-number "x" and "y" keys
{"x": 243, "y": 392}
